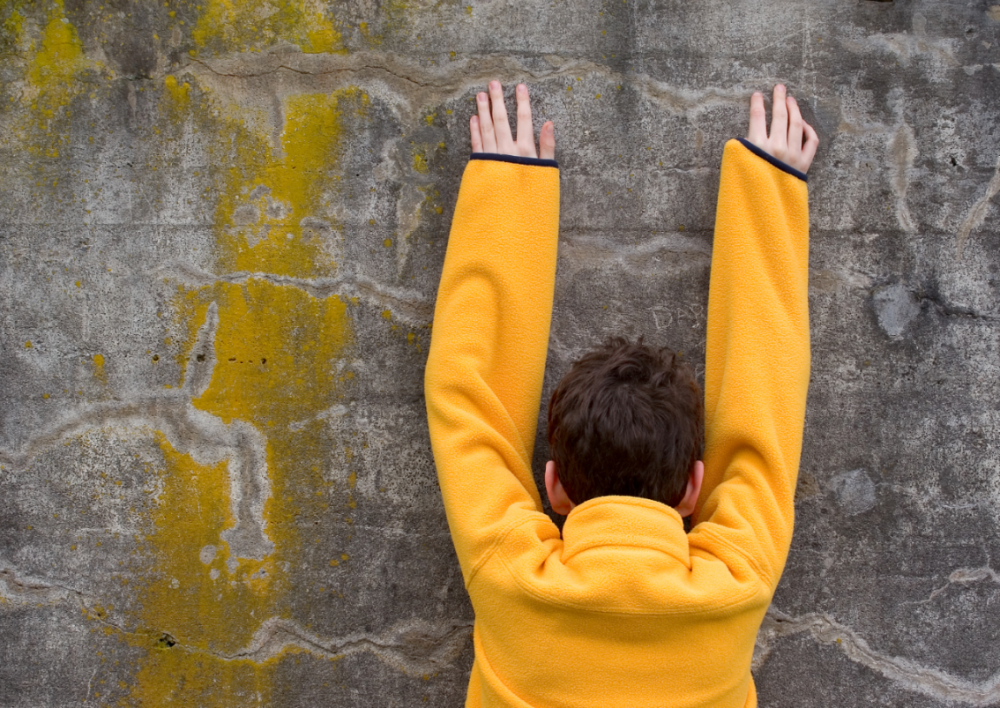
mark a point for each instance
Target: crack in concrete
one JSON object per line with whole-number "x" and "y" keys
{"x": 905, "y": 672}
{"x": 191, "y": 431}
{"x": 964, "y": 576}
{"x": 605, "y": 248}
{"x": 22, "y": 590}
{"x": 409, "y": 305}
{"x": 418, "y": 86}
{"x": 904, "y": 152}
{"x": 592, "y": 251}
{"x": 414, "y": 647}
{"x": 25, "y": 590}
{"x": 90, "y": 683}
{"x": 949, "y": 310}
{"x": 274, "y": 68}
{"x": 977, "y": 213}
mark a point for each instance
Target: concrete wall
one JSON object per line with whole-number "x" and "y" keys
{"x": 221, "y": 230}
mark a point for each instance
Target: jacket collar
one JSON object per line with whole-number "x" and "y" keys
{"x": 625, "y": 521}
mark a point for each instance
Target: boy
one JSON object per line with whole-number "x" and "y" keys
{"x": 623, "y": 608}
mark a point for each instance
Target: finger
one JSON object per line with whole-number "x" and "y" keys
{"x": 779, "y": 118}
{"x": 501, "y": 125}
{"x": 757, "y": 132}
{"x": 477, "y": 138}
{"x": 525, "y": 131}
{"x": 486, "y": 123}
{"x": 547, "y": 142}
{"x": 809, "y": 149}
{"x": 794, "y": 126}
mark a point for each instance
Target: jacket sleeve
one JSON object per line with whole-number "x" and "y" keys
{"x": 484, "y": 372}
{"x": 756, "y": 360}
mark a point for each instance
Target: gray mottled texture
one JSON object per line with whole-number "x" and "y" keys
{"x": 216, "y": 486}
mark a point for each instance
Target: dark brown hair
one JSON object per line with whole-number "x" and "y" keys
{"x": 628, "y": 419}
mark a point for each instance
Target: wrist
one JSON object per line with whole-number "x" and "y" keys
{"x": 780, "y": 164}
{"x": 515, "y": 159}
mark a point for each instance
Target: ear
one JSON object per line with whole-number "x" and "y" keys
{"x": 686, "y": 507}
{"x": 558, "y": 499}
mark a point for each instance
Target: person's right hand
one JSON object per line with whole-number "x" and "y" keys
{"x": 491, "y": 130}
{"x": 792, "y": 140}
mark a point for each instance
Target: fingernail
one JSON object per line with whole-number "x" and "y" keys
{"x": 481, "y": 96}
{"x": 780, "y": 87}
{"x": 494, "y": 84}
{"x": 521, "y": 88}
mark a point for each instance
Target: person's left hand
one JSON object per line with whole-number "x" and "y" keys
{"x": 491, "y": 130}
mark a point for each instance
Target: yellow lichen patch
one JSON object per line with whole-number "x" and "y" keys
{"x": 177, "y": 102}
{"x": 54, "y": 62}
{"x": 267, "y": 190}
{"x": 275, "y": 349}
{"x": 58, "y": 59}
{"x": 193, "y": 610}
{"x": 190, "y": 308}
{"x": 253, "y": 25}
{"x": 179, "y": 91}
{"x": 99, "y": 368}
{"x": 420, "y": 161}
{"x": 267, "y": 193}
{"x": 13, "y": 27}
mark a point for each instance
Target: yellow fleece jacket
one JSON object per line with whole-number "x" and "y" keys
{"x": 624, "y": 608}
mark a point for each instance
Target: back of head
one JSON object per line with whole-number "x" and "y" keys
{"x": 627, "y": 419}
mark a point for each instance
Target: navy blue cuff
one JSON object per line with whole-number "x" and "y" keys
{"x": 773, "y": 160}
{"x": 516, "y": 159}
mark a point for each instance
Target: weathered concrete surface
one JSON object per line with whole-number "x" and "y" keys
{"x": 221, "y": 229}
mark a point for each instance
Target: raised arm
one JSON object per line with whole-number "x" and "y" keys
{"x": 757, "y": 355}
{"x": 484, "y": 371}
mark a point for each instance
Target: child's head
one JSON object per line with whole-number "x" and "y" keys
{"x": 627, "y": 420}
